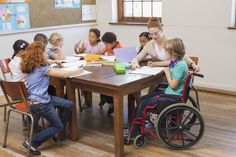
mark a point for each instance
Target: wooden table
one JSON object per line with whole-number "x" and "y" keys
{"x": 104, "y": 80}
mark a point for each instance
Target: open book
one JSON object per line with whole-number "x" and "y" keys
{"x": 146, "y": 70}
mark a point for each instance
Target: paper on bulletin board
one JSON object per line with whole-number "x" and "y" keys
{"x": 61, "y": 4}
{"x": 88, "y": 12}
{"x": 14, "y": 1}
{"x": 14, "y": 17}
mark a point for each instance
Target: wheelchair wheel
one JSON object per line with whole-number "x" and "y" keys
{"x": 140, "y": 141}
{"x": 174, "y": 127}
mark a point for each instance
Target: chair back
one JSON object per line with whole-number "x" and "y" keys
{"x": 4, "y": 67}
{"x": 194, "y": 59}
{"x": 15, "y": 91}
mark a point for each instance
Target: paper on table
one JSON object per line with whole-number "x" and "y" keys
{"x": 146, "y": 70}
{"x": 70, "y": 59}
{"x": 80, "y": 55}
{"x": 85, "y": 72}
{"x": 108, "y": 58}
{"x": 74, "y": 64}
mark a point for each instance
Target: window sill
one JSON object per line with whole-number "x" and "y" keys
{"x": 232, "y": 27}
{"x": 128, "y": 23}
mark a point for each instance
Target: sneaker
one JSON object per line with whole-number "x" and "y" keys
{"x": 33, "y": 150}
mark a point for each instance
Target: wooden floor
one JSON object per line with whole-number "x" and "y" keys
{"x": 96, "y": 134}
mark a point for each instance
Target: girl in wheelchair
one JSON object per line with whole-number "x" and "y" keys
{"x": 175, "y": 73}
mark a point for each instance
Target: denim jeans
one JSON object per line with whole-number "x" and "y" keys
{"x": 47, "y": 110}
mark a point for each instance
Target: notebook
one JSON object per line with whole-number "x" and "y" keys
{"x": 125, "y": 55}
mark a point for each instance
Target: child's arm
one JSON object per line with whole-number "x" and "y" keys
{"x": 158, "y": 64}
{"x": 59, "y": 56}
{"x": 79, "y": 49}
{"x": 172, "y": 83}
{"x": 62, "y": 73}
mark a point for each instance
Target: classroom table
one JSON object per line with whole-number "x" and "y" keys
{"x": 104, "y": 80}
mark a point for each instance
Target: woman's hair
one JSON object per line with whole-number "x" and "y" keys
{"x": 41, "y": 37}
{"x": 154, "y": 22}
{"x": 175, "y": 46}
{"x": 109, "y": 37}
{"x": 146, "y": 35}
{"x": 18, "y": 46}
{"x": 33, "y": 57}
{"x": 54, "y": 38}
{"x": 96, "y": 32}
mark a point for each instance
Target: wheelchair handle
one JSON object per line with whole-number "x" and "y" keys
{"x": 198, "y": 75}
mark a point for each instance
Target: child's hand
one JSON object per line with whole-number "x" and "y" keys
{"x": 151, "y": 64}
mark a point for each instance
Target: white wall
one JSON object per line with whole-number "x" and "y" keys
{"x": 203, "y": 27}
{"x": 71, "y": 35}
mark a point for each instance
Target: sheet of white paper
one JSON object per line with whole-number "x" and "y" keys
{"x": 88, "y": 12}
{"x": 70, "y": 59}
{"x": 146, "y": 70}
{"x": 74, "y": 64}
{"x": 109, "y": 58}
{"x": 80, "y": 55}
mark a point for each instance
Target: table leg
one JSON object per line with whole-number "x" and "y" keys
{"x": 132, "y": 98}
{"x": 118, "y": 125}
{"x": 73, "y": 122}
{"x": 59, "y": 88}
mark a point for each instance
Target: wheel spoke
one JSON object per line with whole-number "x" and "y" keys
{"x": 182, "y": 136}
{"x": 191, "y": 125}
{"x": 187, "y": 117}
{"x": 190, "y": 133}
{"x": 172, "y": 136}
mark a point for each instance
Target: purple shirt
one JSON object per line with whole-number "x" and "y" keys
{"x": 93, "y": 49}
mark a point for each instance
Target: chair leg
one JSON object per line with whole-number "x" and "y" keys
{"x": 79, "y": 97}
{"x": 5, "y": 113}
{"x": 31, "y": 131}
{"x": 196, "y": 92}
{"x": 6, "y": 129}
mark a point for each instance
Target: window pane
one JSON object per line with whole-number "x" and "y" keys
{"x": 137, "y": 9}
{"x": 147, "y": 9}
{"x": 157, "y": 9}
{"x": 128, "y": 9}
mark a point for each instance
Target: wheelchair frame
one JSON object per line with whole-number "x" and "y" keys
{"x": 140, "y": 140}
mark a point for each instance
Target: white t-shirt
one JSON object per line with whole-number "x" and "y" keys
{"x": 161, "y": 54}
{"x": 17, "y": 74}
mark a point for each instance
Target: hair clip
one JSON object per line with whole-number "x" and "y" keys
{"x": 22, "y": 45}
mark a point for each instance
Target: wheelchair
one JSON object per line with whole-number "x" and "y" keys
{"x": 173, "y": 122}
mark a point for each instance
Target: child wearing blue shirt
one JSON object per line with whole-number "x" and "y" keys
{"x": 176, "y": 74}
{"x": 35, "y": 64}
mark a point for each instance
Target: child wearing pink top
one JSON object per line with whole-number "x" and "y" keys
{"x": 93, "y": 45}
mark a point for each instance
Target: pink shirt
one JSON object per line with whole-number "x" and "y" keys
{"x": 93, "y": 49}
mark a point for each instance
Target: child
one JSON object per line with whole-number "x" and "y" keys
{"x": 55, "y": 52}
{"x": 44, "y": 39}
{"x": 110, "y": 42}
{"x": 144, "y": 38}
{"x": 19, "y": 47}
{"x": 93, "y": 45}
{"x": 175, "y": 73}
{"x": 35, "y": 64}
{"x": 41, "y": 37}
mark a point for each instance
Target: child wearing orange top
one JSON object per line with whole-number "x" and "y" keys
{"x": 110, "y": 41}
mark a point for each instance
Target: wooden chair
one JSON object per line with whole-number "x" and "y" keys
{"x": 17, "y": 90}
{"x": 195, "y": 60}
{"x": 5, "y": 70}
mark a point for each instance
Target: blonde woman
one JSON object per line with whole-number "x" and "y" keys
{"x": 155, "y": 49}
{"x": 55, "y": 52}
